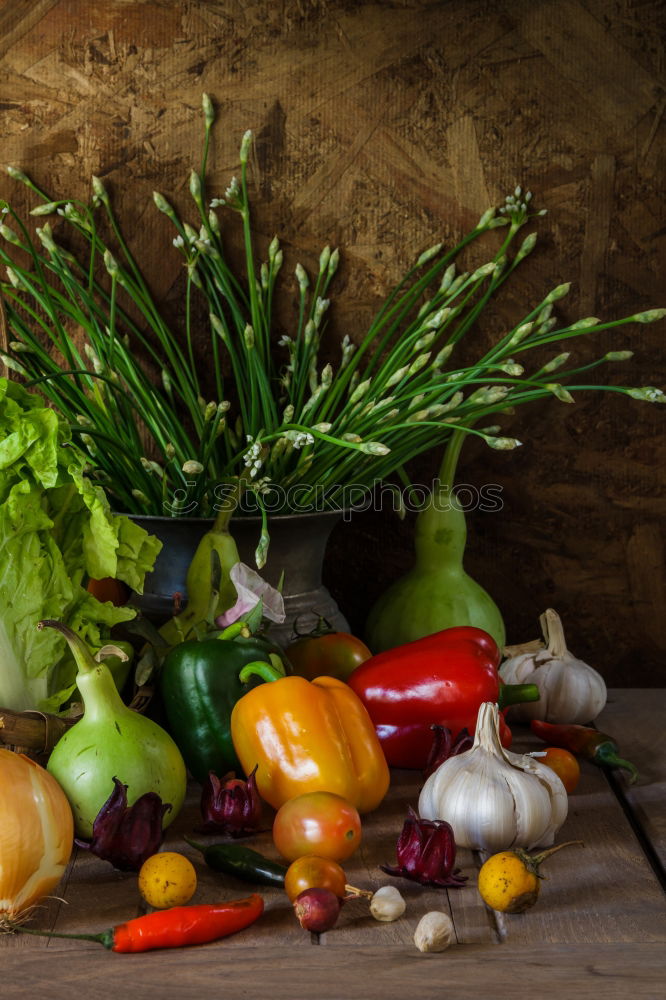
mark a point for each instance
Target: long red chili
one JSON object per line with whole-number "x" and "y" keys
{"x": 598, "y": 747}
{"x": 174, "y": 928}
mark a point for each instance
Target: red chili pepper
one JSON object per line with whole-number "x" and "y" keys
{"x": 589, "y": 743}
{"x": 174, "y": 928}
{"x": 441, "y": 679}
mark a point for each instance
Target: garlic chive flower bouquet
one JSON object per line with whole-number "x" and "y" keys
{"x": 280, "y": 416}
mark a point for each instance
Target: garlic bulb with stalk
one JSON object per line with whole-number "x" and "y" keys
{"x": 571, "y": 690}
{"x": 495, "y": 799}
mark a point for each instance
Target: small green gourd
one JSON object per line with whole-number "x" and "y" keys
{"x": 111, "y": 740}
{"x": 436, "y": 593}
{"x": 204, "y": 601}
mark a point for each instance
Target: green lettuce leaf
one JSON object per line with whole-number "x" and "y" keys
{"x": 56, "y": 530}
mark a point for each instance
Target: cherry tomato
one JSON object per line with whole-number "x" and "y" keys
{"x": 109, "y": 589}
{"x": 564, "y": 764}
{"x": 331, "y": 654}
{"x": 311, "y": 872}
{"x": 318, "y": 823}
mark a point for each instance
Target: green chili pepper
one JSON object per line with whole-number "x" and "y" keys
{"x": 243, "y": 862}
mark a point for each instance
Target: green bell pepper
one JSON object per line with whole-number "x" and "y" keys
{"x": 200, "y": 684}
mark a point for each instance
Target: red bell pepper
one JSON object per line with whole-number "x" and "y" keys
{"x": 442, "y": 680}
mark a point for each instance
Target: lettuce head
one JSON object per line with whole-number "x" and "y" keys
{"x": 56, "y": 530}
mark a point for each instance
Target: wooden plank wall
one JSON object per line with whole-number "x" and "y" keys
{"x": 383, "y": 127}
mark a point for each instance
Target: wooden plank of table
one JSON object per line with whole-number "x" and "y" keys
{"x": 550, "y": 972}
{"x": 636, "y": 719}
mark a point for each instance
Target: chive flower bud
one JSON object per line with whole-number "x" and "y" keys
{"x": 610, "y": 356}
{"x": 246, "y": 142}
{"x": 208, "y": 110}
{"x": 99, "y": 191}
{"x": 647, "y": 393}
{"x": 192, "y": 468}
{"x": 428, "y": 254}
{"x": 374, "y": 448}
{"x": 448, "y": 277}
{"x": 503, "y": 443}
{"x": 558, "y": 293}
{"x": 195, "y": 187}
{"x": 324, "y": 258}
{"x": 360, "y": 391}
{"x": 560, "y": 392}
{"x": 18, "y": 175}
{"x": 164, "y": 206}
{"x": 9, "y": 235}
{"x": 557, "y": 362}
{"x": 648, "y": 316}
{"x": 47, "y": 208}
{"x": 301, "y": 277}
{"x": 333, "y": 262}
{"x": 14, "y": 365}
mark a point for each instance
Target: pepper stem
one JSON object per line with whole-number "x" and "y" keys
{"x": 514, "y": 694}
{"x": 236, "y": 628}
{"x": 104, "y": 937}
{"x": 260, "y": 668}
{"x": 606, "y": 755}
{"x": 553, "y": 633}
{"x": 538, "y": 859}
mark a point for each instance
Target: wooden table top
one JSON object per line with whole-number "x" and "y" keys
{"x": 598, "y": 929}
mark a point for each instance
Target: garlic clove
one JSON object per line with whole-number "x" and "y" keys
{"x": 387, "y": 904}
{"x": 434, "y": 932}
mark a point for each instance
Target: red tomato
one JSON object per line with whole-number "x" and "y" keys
{"x": 331, "y": 654}
{"x": 319, "y": 823}
{"x": 564, "y": 764}
{"x": 109, "y": 589}
{"x": 311, "y": 872}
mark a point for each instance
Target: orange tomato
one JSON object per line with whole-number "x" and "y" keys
{"x": 564, "y": 764}
{"x": 311, "y": 872}
{"x": 318, "y": 823}
{"x": 109, "y": 589}
{"x": 334, "y": 654}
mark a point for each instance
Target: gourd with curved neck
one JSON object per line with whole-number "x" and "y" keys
{"x": 436, "y": 593}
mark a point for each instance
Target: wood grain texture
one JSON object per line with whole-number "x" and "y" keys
{"x": 559, "y": 970}
{"x": 384, "y": 127}
{"x": 636, "y": 722}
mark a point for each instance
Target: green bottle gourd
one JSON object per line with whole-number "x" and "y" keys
{"x": 199, "y": 580}
{"x": 436, "y": 593}
{"x": 111, "y": 740}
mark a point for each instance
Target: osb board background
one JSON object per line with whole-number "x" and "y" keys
{"x": 381, "y": 128}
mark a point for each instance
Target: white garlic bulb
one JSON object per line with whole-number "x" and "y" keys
{"x": 494, "y": 799}
{"x": 571, "y": 690}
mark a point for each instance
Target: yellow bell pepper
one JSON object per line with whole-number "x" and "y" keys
{"x": 309, "y": 736}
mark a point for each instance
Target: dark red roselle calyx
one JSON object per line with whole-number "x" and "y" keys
{"x": 126, "y": 836}
{"x": 426, "y": 852}
{"x": 230, "y": 805}
{"x": 445, "y": 746}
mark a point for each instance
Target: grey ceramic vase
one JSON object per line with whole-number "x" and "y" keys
{"x": 298, "y": 546}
